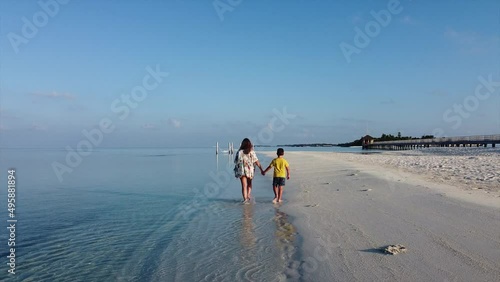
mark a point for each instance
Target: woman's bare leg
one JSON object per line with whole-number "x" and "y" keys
{"x": 249, "y": 185}
{"x": 244, "y": 187}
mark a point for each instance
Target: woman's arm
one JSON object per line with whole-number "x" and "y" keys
{"x": 257, "y": 163}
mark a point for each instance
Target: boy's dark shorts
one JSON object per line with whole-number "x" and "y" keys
{"x": 278, "y": 181}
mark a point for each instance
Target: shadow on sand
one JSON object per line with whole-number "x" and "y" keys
{"x": 375, "y": 251}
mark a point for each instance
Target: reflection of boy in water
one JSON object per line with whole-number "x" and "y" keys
{"x": 281, "y": 171}
{"x": 284, "y": 238}
{"x": 284, "y": 229}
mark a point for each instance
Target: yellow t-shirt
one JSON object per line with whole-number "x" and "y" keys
{"x": 280, "y": 165}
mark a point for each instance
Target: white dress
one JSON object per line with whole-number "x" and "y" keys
{"x": 243, "y": 164}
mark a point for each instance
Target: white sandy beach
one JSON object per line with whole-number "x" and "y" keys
{"x": 442, "y": 204}
{"x": 464, "y": 168}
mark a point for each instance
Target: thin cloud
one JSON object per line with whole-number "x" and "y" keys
{"x": 358, "y": 18}
{"x": 174, "y": 122}
{"x": 439, "y": 93}
{"x": 298, "y": 115}
{"x": 306, "y": 133}
{"x": 149, "y": 126}
{"x": 74, "y": 107}
{"x": 407, "y": 20}
{"x": 484, "y": 115}
{"x": 6, "y": 114}
{"x": 38, "y": 127}
{"x": 388, "y": 102}
{"x": 303, "y": 134}
{"x": 461, "y": 37}
{"x": 55, "y": 95}
{"x": 472, "y": 42}
{"x": 355, "y": 120}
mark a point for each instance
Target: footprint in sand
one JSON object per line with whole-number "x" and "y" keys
{"x": 312, "y": 206}
{"x": 366, "y": 190}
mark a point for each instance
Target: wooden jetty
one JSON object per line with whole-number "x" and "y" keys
{"x": 463, "y": 141}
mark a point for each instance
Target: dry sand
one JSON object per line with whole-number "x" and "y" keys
{"x": 465, "y": 168}
{"x": 349, "y": 207}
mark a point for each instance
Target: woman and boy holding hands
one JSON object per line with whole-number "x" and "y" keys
{"x": 245, "y": 160}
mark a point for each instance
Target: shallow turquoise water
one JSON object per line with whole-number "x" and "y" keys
{"x": 151, "y": 214}
{"x": 140, "y": 215}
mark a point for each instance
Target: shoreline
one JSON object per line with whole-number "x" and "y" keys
{"x": 346, "y": 209}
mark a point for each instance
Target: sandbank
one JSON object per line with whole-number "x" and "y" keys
{"x": 348, "y": 207}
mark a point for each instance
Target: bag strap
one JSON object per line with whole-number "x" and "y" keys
{"x": 237, "y": 157}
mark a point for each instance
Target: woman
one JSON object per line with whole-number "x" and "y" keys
{"x": 244, "y": 162}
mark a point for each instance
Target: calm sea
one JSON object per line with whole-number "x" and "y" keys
{"x": 152, "y": 214}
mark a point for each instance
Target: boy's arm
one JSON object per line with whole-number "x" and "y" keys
{"x": 287, "y": 173}
{"x": 266, "y": 170}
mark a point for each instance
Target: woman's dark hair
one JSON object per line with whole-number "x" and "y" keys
{"x": 246, "y": 146}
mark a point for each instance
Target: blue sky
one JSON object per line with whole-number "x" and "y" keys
{"x": 233, "y": 64}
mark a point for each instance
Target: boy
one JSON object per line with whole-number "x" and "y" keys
{"x": 280, "y": 171}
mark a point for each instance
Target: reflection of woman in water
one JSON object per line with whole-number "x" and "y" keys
{"x": 247, "y": 230}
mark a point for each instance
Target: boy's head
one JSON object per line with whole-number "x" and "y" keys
{"x": 280, "y": 152}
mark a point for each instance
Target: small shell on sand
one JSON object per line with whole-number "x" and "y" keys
{"x": 395, "y": 249}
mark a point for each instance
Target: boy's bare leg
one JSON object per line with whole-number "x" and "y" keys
{"x": 280, "y": 193}
{"x": 244, "y": 190}
{"x": 275, "y": 190}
